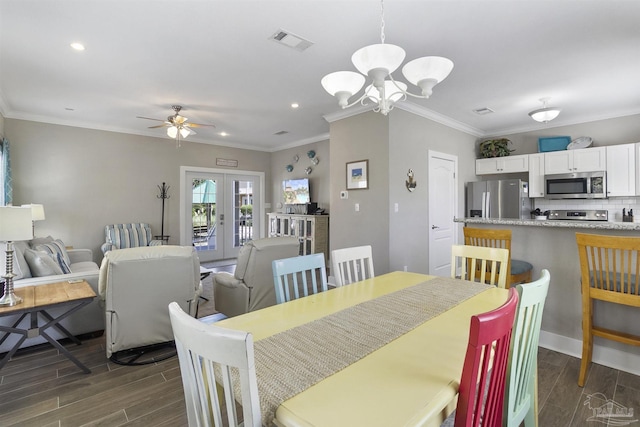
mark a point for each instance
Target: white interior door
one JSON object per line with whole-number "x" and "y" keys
{"x": 220, "y": 211}
{"x": 443, "y": 205}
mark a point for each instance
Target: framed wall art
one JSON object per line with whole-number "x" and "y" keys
{"x": 358, "y": 175}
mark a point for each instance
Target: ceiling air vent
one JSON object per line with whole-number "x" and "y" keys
{"x": 482, "y": 111}
{"x": 290, "y": 40}
{"x": 282, "y": 132}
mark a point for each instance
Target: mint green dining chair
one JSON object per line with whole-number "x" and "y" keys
{"x": 520, "y": 398}
{"x": 299, "y": 276}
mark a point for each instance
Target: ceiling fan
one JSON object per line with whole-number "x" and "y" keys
{"x": 177, "y": 125}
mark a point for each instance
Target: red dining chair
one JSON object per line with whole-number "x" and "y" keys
{"x": 482, "y": 385}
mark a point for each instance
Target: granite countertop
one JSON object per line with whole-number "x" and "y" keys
{"x": 593, "y": 225}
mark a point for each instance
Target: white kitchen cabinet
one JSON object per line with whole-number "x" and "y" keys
{"x": 508, "y": 164}
{"x": 621, "y": 170}
{"x": 581, "y": 160}
{"x": 536, "y": 175}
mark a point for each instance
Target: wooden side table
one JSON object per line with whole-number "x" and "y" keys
{"x": 39, "y": 299}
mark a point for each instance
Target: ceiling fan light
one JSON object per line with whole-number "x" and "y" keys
{"x": 428, "y": 71}
{"x": 342, "y": 85}
{"x": 384, "y": 56}
{"x": 544, "y": 115}
{"x": 185, "y": 132}
{"x": 172, "y": 132}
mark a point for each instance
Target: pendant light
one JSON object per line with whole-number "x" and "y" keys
{"x": 545, "y": 114}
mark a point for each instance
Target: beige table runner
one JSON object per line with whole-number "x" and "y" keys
{"x": 291, "y": 361}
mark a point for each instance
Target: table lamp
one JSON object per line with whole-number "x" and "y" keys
{"x": 15, "y": 224}
{"x": 37, "y": 214}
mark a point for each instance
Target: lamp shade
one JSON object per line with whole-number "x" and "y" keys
{"x": 378, "y": 56}
{"x": 544, "y": 115}
{"x": 172, "y": 132}
{"x": 427, "y": 72}
{"x": 342, "y": 81}
{"x": 185, "y": 131}
{"x": 15, "y": 224}
{"x": 37, "y": 211}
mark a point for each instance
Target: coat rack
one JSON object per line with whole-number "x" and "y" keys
{"x": 164, "y": 194}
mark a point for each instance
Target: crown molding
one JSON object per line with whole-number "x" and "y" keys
{"x": 347, "y": 112}
{"x": 438, "y": 118}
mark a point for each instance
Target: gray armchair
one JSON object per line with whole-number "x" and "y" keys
{"x": 137, "y": 285}
{"x": 251, "y": 287}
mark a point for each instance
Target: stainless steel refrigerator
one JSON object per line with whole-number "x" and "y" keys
{"x": 504, "y": 198}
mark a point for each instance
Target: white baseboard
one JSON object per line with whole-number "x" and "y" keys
{"x": 610, "y": 357}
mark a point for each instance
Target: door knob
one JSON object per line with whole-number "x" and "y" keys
{"x": 433, "y": 227}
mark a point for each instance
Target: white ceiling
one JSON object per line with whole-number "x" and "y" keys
{"x": 215, "y": 58}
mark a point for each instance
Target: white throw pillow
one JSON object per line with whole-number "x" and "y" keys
{"x": 58, "y": 252}
{"x": 41, "y": 264}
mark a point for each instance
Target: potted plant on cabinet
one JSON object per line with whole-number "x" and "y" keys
{"x": 495, "y": 148}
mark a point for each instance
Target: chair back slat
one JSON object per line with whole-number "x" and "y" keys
{"x": 610, "y": 264}
{"x": 352, "y": 264}
{"x": 520, "y": 388}
{"x": 482, "y": 384}
{"x": 206, "y": 353}
{"x": 296, "y": 277}
{"x": 484, "y": 264}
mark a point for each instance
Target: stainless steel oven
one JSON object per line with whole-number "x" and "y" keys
{"x": 579, "y": 215}
{"x": 577, "y": 185}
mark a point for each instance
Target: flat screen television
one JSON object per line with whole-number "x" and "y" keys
{"x": 296, "y": 191}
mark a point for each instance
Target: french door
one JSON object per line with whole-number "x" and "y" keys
{"x": 220, "y": 211}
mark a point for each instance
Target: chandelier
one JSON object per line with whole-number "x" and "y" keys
{"x": 378, "y": 61}
{"x": 545, "y": 114}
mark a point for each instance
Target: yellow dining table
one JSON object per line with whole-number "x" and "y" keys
{"x": 410, "y": 381}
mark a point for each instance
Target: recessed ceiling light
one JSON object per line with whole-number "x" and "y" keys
{"x": 223, "y": 134}
{"x": 77, "y": 46}
{"x": 295, "y": 105}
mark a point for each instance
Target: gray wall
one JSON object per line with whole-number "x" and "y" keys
{"x": 410, "y": 139}
{"x": 88, "y": 178}
{"x": 392, "y": 144}
{"x": 361, "y": 137}
{"x": 319, "y": 179}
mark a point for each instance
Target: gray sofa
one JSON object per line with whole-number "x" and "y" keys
{"x": 88, "y": 319}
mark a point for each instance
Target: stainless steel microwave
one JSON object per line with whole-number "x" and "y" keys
{"x": 577, "y": 185}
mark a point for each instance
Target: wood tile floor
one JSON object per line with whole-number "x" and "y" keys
{"x": 40, "y": 387}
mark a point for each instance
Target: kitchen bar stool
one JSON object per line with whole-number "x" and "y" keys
{"x": 519, "y": 270}
{"x": 609, "y": 271}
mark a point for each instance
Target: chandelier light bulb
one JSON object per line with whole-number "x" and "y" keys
{"x": 377, "y": 62}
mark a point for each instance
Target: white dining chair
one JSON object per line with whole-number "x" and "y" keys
{"x": 200, "y": 348}
{"x": 350, "y": 265}
{"x": 484, "y": 264}
{"x": 291, "y": 277}
{"x": 520, "y": 392}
